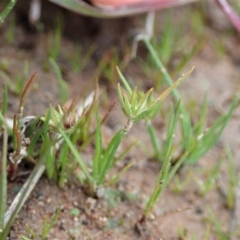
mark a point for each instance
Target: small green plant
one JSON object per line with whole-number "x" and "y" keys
{"x": 47, "y": 226}
{"x": 174, "y": 54}
{"x": 16, "y": 86}
{"x": 54, "y": 40}
{"x": 63, "y": 88}
{"x": 79, "y": 61}
{"x": 195, "y": 140}
{"x": 26, "y": 139}
{"x": 179, "y": 184}
{"x": 212, "y": 174}
{"x": 233, "y": 180}
{"x": 165, "y": 172}
{"x": 217, "y": 226}
{"x": 11, "y": 30}
{"x": 6, "y": 219}
{"x": 136, "y": 105}
{"x": 108, "y": 64}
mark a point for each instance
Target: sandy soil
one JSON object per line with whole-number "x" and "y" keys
{"x": 177, "y": 215}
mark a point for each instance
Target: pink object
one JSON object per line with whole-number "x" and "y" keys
{"x": 231, "y": 14}
{"x": 115, "y": 4}
{"x": 121, "y": 8}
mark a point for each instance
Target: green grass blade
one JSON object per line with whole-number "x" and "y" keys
{"x": 4, "y": 104}
{"x": 49, "y": 151}
{"x": 108, "y": 157}
{"x": 5, "y": 100}
{"x": 171, "y": 134}
{"x": 172, "y": 121}
{"x": 98, "y": 151}
{"x": 186, "y": 58}
{"x": 22, "y": 196}
{"x": 7, "y": 10}
{"x": 49, "y": 225}
{"x": 39, "y": 133}
{"x": 186, "y": 122}
{"x": 161, "y": 67}
{"x": 144, "y": 100}
{"x": 212, "y": 135}
{"x": 75, "y": 154}
{"x": 174, "y": 86}
{"x": 12, "y": 87}
{"x": 199, "y": 127}
{"x": 124, "y": 81}
{"x": 164, "y": 173}
{"x": 25, "y": 238}
{"x": 154, "y": 140}
{"x": 63, "y": 87}
{"x": 3, "y": 179}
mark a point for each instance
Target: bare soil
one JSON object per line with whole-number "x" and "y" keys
{"x": 177, "y": 215}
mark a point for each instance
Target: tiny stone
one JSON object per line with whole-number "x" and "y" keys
{"x": 90, "y": 202}
{"x": 41, "y": 203}
{"x": 85, "y": 222}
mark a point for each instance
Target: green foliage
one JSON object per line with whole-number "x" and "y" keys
{"x": 164, "y": 174}
{"x": 4, "y": 64}
{"x": 4, "y": 105}
{"x": 54, "y": 40}
{"x": 47, "y": 226}
{"x": 103, "y": 160}
{"x": 217, "y": 226}
{"x": 62, "y": 134}
{"x": 195, "y": 141}
{"x": 212, "y": 174}
{"x": 233, "y": 180}
{"x": 137, "y": 105}
{"x": 62, "y": 86}
{"x": 175, "y": 45}
{"x": 11, "y": 30}
{"x": 79, "y": 61}
{"x": 3, "y": 181}
{"x": 16, "y": 86}
{"x": 202, "y": 141}
{"x": 7, "y": 10}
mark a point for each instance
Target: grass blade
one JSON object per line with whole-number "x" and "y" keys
{"x": 98, "y": 151}
{"x": 63, "y": 87}
{"x": 107, "y": 161}
{"x": 7, "y": 10}
{"x": 3, "y": 179}
{"x": 75, "y": 153}
{"x": 22, "y": 196}
{"x": 211, "y": 137}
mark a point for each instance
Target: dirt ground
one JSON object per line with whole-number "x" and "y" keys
{"x": 178, "y": 215}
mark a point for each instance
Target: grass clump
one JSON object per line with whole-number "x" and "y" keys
{"x": 16, "y": 86}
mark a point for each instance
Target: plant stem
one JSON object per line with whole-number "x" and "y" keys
{"x": 7, "y": 10}
{"x": 160, "y": 65}
{"x": 23, "y": 195}
{"x": 185, "y": 120}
